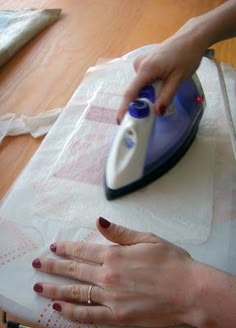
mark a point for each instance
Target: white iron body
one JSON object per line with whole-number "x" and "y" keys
{"x": 126, "y": 163}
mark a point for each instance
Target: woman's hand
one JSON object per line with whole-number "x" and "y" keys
{"x": 172, "y": 61}
{"x": 144, "y": 281}
{"x": 177, "y": 58}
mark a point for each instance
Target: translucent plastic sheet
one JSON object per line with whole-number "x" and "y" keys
{"x": 66, "y": 176}
{"x": 60, "y": 193}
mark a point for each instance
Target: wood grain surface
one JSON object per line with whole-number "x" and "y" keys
{"x": 44, "y": 74}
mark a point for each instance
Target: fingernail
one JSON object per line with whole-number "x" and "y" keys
{"x": 104, "y": 223}
{"x": 38, "y": 288}
{"x": 36, "y": 264}
{"x": 53, "y": 247}
{"x": 162, "y": 109}
{"x": 57, "y": 307}
{"x": 118, "y": 121}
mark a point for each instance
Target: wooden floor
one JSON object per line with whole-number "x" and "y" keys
{"x": 44, "y": 74}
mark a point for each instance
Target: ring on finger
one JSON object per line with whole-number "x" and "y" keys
{"x": 90, "y": 302}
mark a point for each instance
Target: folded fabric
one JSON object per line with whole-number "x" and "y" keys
{"x": 18, "y": 27}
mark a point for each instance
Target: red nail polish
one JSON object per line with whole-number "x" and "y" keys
{"x": 36, "y": 264}
{"x": 57, "y": 307}
{"x": 162, "y": 110}
{"x": 104, "y": 223}
{"x": 38, "y": 288}
{"x": 53, "y": 248}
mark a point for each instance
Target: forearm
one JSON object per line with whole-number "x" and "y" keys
{"x": 219, "y": 24}
{"x": 214, "y": 26}
{"x": 215, "y": 299}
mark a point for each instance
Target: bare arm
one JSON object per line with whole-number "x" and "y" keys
{"x": 176, "y": 58}
{"x": 218, "y": 24}
{"x": 215, "y": 299}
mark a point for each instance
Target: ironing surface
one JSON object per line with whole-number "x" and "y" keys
{"x": 60, "y": 193}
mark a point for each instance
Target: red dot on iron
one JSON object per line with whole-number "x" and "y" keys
{"x": 199, "y": 99}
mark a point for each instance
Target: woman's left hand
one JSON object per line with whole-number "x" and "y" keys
{"x": 143, "y": 280}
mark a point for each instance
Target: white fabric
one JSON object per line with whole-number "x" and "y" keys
{"x": 60, "y": 193}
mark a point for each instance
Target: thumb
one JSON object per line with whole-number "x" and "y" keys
{"x": 167, "y": 93}
{"x": 123, "y": 236}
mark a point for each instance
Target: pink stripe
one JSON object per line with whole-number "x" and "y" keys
{"x": 102, "y": 115}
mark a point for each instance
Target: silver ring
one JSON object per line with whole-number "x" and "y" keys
{"x": 89, "y": 294}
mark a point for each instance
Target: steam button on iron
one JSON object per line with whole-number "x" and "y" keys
{"x": 148, "y": 92}
{"x": 139, "y": 109}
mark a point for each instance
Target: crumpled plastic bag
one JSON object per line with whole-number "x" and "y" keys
{"x": 37, "y": 125}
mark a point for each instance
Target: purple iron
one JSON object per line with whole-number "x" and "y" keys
{"x": 147, "y": 146}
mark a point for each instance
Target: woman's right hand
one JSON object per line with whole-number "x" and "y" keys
{"x": 172, "y": 61}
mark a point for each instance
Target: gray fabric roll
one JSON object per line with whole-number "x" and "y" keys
{"x": 18, "y": 27}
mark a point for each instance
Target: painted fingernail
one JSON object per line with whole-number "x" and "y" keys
{"x": 36, "y": 264}
{"x": 118, "y": 121}
{"x": 104, "y": 223}
{"x": 162, "y": 109}
{"x": 57, "y": 307}
{"x": 53, "y": 247}
{"x": 38, "y": 288}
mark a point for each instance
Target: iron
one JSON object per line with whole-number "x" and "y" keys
{"x": 146, "y": 146}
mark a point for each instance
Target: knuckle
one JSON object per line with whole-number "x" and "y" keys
{"x": 111, "y": 254}
{"x": 110, "y": 277}
{"x": 120, "y": 316}
{"x": 72, "y": 314}
{"x": 72, "y": 270}
{"x": 138, "y": 61}
{"x": 122, "y": 232}
{"x": 145, "y": 66}
{"x": 115, "y": 297}
{"x": 75, "y": 292}
{"x": 87, "y": 316}
{"x": 78, "y": 249}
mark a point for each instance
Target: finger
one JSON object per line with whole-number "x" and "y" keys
{"x": 85, "y": 251}
{"x": 85, "y": 314}
{"x": 167, "y": 93}
{"x": 123, "y": 236}
{"x": 72, "y": 293}
{"x": 138, "y": 62}
{"x": 68, "y": 268}
{"x": 132, "y": 92}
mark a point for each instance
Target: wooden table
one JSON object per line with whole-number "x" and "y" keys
{"x": 44, "y": 74}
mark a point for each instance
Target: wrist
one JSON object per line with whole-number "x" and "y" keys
{"x": 195, "y": 32}
{"x": 214, "y": 298}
